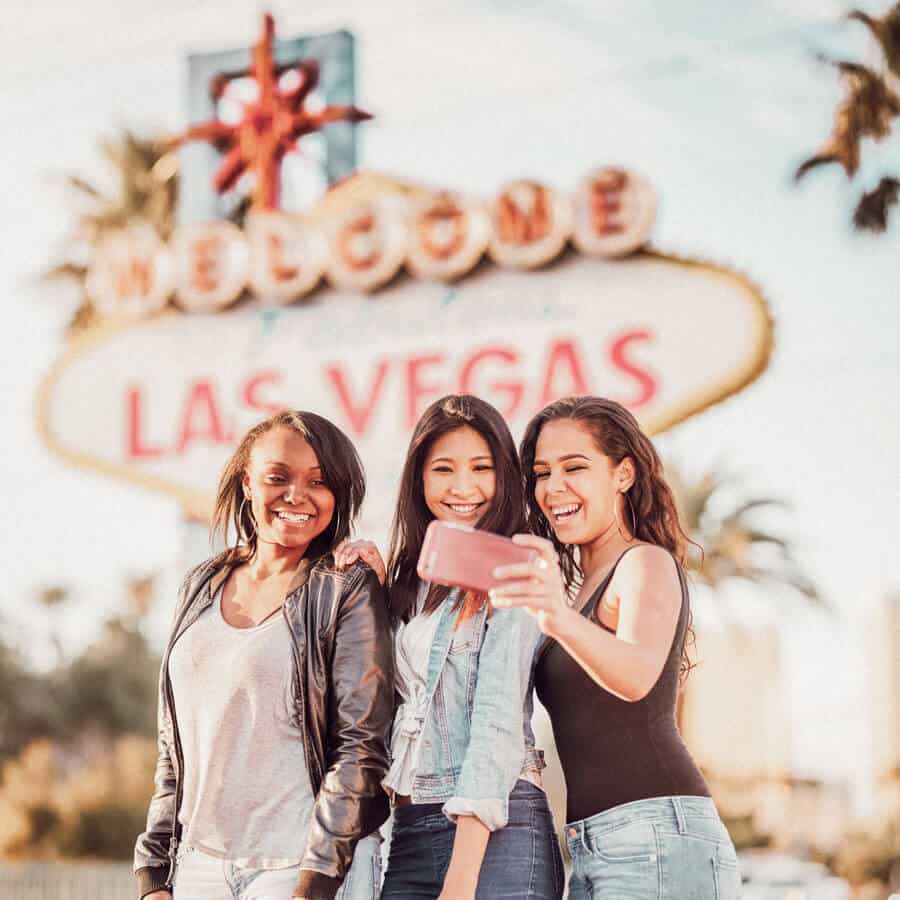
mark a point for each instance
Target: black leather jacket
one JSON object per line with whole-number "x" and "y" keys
{"x": 344, "y": 698}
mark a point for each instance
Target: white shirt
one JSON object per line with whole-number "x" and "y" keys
{"x": 412, "y": 647}
{"x": 247, "y": 793}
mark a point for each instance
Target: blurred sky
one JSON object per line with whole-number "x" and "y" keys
{"x": 715, "y": 101}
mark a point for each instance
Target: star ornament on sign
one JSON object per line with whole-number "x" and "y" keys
{"x": 270, "y": 125}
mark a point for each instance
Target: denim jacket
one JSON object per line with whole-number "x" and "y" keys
{"x": 476, "y": 739}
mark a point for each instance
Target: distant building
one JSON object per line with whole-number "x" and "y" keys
{"x": 734, "y": 714}
{"x": 883, "y": 688}
{"x": 736, "y": 721}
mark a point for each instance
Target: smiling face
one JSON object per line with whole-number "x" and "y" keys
{"x": 576, "y": 484}
{"x": 291, "y": 503}
{"x": 458, "y": 477}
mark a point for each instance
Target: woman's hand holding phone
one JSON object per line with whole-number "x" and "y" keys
{"x": 537, "y": 586}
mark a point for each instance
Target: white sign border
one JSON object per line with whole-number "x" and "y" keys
{"x": 198, "y": 504}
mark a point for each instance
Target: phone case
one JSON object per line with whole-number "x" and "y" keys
{"x": 459, "y": 556}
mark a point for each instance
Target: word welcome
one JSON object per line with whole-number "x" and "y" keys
{"x": 280, "y": 257}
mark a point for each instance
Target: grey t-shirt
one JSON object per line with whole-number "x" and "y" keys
{"x": 247, "y": 795}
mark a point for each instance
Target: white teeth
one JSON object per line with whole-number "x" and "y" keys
{"x": 298, "y": 518}
{"x": 560, "y": 513}
{"x": 463, "y": 508}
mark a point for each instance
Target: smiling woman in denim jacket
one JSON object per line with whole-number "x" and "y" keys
{"x": 470, "y": 816}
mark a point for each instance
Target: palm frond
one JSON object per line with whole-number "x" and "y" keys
{"x": 79, "y": 185}
{"x": 740, "y": 512}
{"x": 867, "y": 111}
{"x": 145, "y": 190}
{"x": 872, "y": 211}
{"x": 758, "y": 538}
{"x": 735, "y": 546}
{"x": 886, "y": 31}
{"x": 63, "y": 272}
{"x": 791, "y": 578}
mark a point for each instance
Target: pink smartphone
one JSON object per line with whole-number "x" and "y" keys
{"x": 460, "y": 556}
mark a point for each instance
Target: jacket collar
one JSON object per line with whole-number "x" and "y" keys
{"x": 227, "y": 562}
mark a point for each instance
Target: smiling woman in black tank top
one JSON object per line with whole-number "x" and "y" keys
{"x": 641, "y": 822}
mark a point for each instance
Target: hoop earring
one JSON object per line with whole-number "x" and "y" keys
{"x": 240, "y": 518}
{"x": 633, "y": 528}
{"x": 626, "y": 499}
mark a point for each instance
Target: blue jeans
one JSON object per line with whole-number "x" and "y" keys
{"x": 199, "y": 876}
{"x": 522, "y": 861}
{"x": 666, "y": 848}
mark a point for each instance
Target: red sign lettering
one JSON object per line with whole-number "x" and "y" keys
{"x": 136, "y": 448}
{"x": 277, "y": 266}
{"x": 512, "y": 389}
{"x": 618, "y": 353}
{"x": 201, "y": 420}
{"x": 251, "y": 396}
{"x": 564, "y": 357}
{"x": 358, "y": 415}
{"x": 415, "y": 389}
{"x": 606, "y": 201}
{"x": 523, "y": 226}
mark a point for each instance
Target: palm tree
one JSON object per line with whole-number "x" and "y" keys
{"x": 886, "y": 31}
{"x": 140, "y": 591}
{"x": 869, "y": 110}
{"x": 734, "y": 544}
{"x": 146, "y": 182}
{"x": 52, "y": 598}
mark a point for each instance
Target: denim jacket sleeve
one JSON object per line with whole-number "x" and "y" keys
{"x": 496, "y": 750}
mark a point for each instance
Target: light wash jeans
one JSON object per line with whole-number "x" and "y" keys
{"x": 199, "y": 876}
{"x": 667, "y": 848}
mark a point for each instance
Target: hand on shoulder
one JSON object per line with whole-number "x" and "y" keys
{"x": 349, "y": 552}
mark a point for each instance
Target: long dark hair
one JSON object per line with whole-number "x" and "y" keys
{"x": 342, "y": 472}
{"x": 505, "y": 514}
{"x": 650, "y": 510}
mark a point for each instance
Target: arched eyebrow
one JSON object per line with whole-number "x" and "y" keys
{"x": 566, "y": 458}
{"x": 278, "y": 464}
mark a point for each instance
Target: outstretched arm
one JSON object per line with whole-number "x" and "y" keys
{"x": 648, "y": 592}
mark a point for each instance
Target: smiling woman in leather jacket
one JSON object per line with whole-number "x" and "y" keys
{"x": 276, "y": 690}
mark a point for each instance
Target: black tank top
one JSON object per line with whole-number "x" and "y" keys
{"x": 613, "y": 751}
